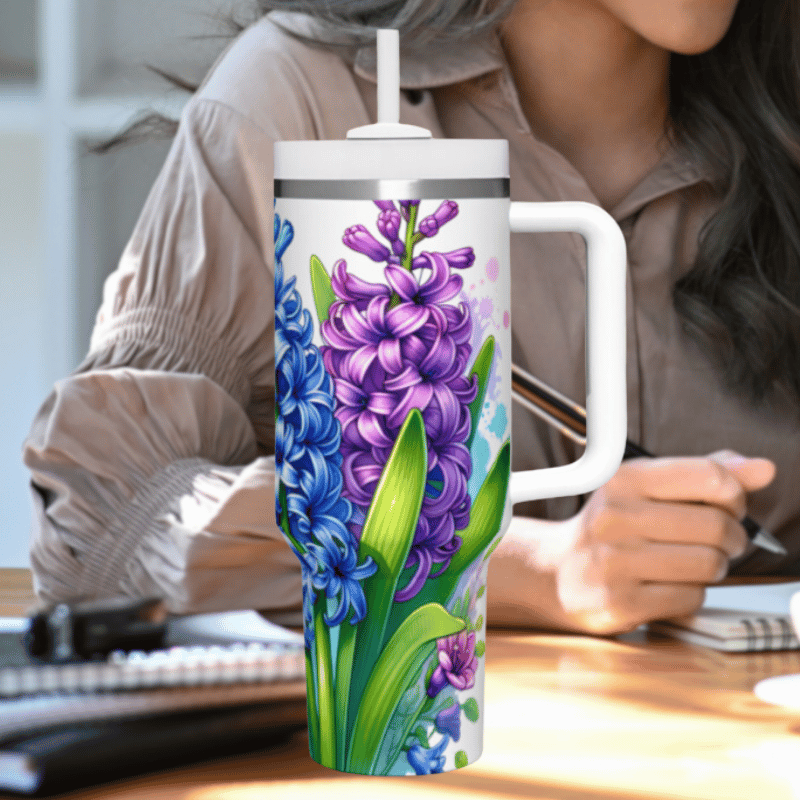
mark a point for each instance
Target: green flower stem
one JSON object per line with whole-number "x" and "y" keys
{"x": 327, "y": 720}
{"x": 408, "y": 255}
{"x": 390, "y": 679}
{"x": 344, "y": 671}
{"x": 313, "y": 714}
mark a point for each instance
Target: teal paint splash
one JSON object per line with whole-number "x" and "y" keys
{"x": 499, "y": 422}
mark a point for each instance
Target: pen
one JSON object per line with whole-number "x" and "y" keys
{"x": 570, "y": 418}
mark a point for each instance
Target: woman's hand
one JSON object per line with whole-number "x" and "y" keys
{"x": 643, "y": 547}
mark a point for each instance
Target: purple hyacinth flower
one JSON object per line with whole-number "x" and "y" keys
{"x": 358, "y": 238}
{"x": 394, "y": 346}
{"x": 430, "y": 761}
{"x": 447, "y": 211}
{"x": 457, "y": 663}
{"x": 387, "y": 360}
{"x": 449, "y": 721}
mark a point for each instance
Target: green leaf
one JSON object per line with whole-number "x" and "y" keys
{"x": 412, "y": 710}
{"x": 488, "y": 554}
{"x": 470, "y": 709}
{"x": 393, "y": 514}
{"x": 461, "y": 759}
{"x": 480, "y": 648}
{"x": 422, "y": 736}
{"x": 482, "y": 590}
{"x": 324, "y": 295}
{"x": 431, "y": 670}
{"x": 387, "y": 537}
{"x": 485, "y": 519}
{"x": 478, "y": 623}
{"x": 390, "y": 679}
{"x": 486, "y": 514}
{"x": 482, "y": 367}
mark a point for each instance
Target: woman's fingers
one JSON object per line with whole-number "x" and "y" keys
{"x": 648, "y": 541}
{"x": 662, "y": 600}
{"x": 720, "y": 480}
{"x": 752, "y": 473}
{"x": 674, "y": 563}
{"x": 628, "y": 524}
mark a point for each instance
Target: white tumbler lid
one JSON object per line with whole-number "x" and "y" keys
{"x": 389, "y": 149}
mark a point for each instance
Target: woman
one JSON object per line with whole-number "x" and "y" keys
{"x": 151, "y": 467}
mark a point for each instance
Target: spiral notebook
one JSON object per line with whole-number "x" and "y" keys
{"x": 222, "y": 684}
{"x": 739, "y": 618}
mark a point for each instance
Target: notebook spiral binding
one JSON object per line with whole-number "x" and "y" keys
{"x": 173, "y": 667}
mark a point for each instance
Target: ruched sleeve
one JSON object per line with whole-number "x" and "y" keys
{"x": 151, "y": 466}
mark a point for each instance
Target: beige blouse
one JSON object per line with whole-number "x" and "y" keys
{"x": 151, "y": 467}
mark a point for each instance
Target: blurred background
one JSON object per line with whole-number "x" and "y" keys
{"x": 73, "y": 73}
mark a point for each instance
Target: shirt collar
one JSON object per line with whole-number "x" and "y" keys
{"x": 674, "y": 171}
{"x": 444, "y": 65}
{"x": 450, "y": 64}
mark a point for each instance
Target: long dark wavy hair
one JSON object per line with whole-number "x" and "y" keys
{"x": 735, "y": 111}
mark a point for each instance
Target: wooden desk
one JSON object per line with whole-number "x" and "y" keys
{"x": 567, "y": 718}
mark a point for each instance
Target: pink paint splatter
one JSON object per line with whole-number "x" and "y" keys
{"x": 486, "y": 308}
{"x": 493, "y": 269}
{"x": 506, "y": 319}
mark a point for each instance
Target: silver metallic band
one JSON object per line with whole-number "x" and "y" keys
{"x": 436, "y": 189}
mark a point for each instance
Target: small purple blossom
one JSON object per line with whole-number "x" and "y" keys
{"x": 358, "y": 238}
{"x": 431, "y": 225}
{"x": 463, "y": 258}
{"x": 457, "y": 663}
{"x": 389, "y": 226}
{"x": 405, "y": 205}
{"x": 448, "y": 721}
{"x": 428, "y": 761}
{"x": 385, "y": 205}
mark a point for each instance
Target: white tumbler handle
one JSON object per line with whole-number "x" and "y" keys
{"x": 606, "y": 395}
